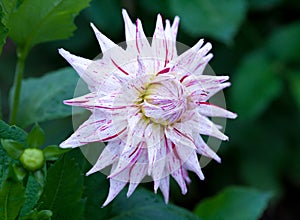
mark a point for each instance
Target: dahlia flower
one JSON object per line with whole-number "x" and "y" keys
{"x": 150, "y": 105}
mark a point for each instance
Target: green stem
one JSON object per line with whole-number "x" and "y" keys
{"x": 17, "y": 85}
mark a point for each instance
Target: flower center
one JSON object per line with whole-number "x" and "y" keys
{"x": 164, "y": 100}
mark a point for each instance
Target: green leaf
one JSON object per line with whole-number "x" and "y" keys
{"x": 263, "y": 5}
{"x": 12, "y": 197}
{"x": 32, "y": 194}
{"x": 234, "y": 203}
{"x": 144, "y": 205}
{"x": 294, "y": 82}
{"x": 3, "y": 33}
{"x": 95, "y": 192}
{"x": 46, "y": 103}
{"x": 6, "y": 8}
{"x": 63, "y": 190}
{"x": 284, "y": 43}
{"x": 13, "y": 148}
{"x": 36, "y": 137}
{"x": 38, "y": 215}
{"x": 105, "y": 10}
{"x": 214, "y": 18}
{"x": 45, "y": 21}
{"x": 255, "y": 85}
{"x": 53, "y": 152}
{"x": 12, "y": 132}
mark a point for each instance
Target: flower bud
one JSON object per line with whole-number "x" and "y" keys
{"x": 32, "y": 159}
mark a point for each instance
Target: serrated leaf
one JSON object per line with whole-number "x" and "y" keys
{"x": 32, "y": 194}
{"x": 12, "y": 132}
{"x": 234, "y": 203}
{"x": 254, "y": 85}
{"x": 12, "y": 197}
{"x": 214, "y": 18}
{"x": 63, "y": 190}
{"x": 144, "y": 205}
{"x": 6, "y": 8}
{"x": 45, "y": 21}
{"x": 46, "y": 103}
{"x": 13, "y": 148}
{"x": 36, "y": 137}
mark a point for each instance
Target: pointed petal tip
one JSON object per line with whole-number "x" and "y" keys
{"x": 233, "y": 115}
{"x": 64, "y": 53}
{"x": 65, "y": 144}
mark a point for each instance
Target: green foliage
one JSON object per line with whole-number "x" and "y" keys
{"x": 255, "y": 85}
{"x": 45, "y": 21}
{"x": 294, "y": 80}
{"x": 36, "y": 137}
{"x": 12, "y": 132}
{"x": 143, "y": 205}
{"x": 3, "y": 33}
{"x": 95, "y": 192}
{"x": 46, "y": 102}
{"x": 284, "y": 43}
{"x": 53, "y": 152}
{"x": 32, "y": 194}
{"x": 63, "y": 190}
{"x": 234, "y": 203}
{"x": 13, "y": 148}
{"x": 38, "y": 215}
{"x": 217, "y": 19}
{"x": 12, "y": 197}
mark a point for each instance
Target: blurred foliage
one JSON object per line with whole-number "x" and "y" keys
{"x": 234, "y": 203}
{"x": 46, "y": 103}
{"x": 255, "y": 42}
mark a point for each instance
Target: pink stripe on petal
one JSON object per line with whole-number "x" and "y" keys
{"x": 164, "y": 186}
{"x": 119, "y": 68}
{"x": 192, "y": 164}
{"x": 116, "y": 185}
{"x": 108, "y": 156}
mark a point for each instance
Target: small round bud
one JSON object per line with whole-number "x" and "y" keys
{"x": 32, "y": 159}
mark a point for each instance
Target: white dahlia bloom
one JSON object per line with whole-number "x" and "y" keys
{"x": 150, "y": 106}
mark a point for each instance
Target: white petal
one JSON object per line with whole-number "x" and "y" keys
{"x": 179, "y": 137}
{"x": 204, "y": 149}
{"x": 165, "y": 187}
{"x": 159, "y": 45}
{"x": 81, "y": 66}
{"x": 192, "y": 164}
{"x": 108, "y": 156}
{"x": 130, "y": 28}
{"x": 178, "y": 176}
{"x": 208, "y": 109}
{"x": 104, "y": 42}
{"x": 95, "y": 130}
{"x": 138, "y": 172}
{"x": 116, "y": 185}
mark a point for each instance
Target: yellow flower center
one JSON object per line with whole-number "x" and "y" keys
{"x": 164, "y": 100}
